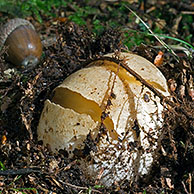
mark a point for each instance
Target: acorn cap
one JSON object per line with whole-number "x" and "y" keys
{"x": 10, "y": 26}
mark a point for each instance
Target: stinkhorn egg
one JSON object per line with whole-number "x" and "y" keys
{"x": 120, "y": 115}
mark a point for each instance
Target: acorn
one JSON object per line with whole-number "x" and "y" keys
{"x": 24, "y": 47}
{"x": 104, "y": 109}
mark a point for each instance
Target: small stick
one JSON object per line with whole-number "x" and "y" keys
{"x": 190, "y": 181}
{"x": 185, "y": 188}
{"x": 19, "y": 171}
{"x": 79, "y": 187}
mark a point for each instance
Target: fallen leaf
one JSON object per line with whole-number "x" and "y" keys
{"x": 159, "y": 59}
{"x": 3, "y": 139}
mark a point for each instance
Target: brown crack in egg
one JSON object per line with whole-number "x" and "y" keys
{"x": 75, "y": 101}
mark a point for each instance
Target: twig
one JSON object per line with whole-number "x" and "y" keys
{"x": 190, "y": 183}
{"x": 185, "y": 188}
{"x": 188, "y": 12}
{"x": 79, "y": 187}
{"x": 19, "y": 171}
{"x": 69, "y": 165}
{"x": 56, "y": 182}
{"x": 144, "y": 82}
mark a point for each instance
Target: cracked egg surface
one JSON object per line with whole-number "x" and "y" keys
{"x": 107, "y": 105}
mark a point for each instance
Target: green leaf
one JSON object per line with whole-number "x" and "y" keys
{"x": 2, "y": 166}
{"x": 98, "y": 186}
{"x": 78, "y": 20}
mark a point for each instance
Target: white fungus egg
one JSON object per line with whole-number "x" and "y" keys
{"x": 121, "y": 117}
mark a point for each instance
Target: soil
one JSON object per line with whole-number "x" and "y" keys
{"x": 31, "y": 167}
